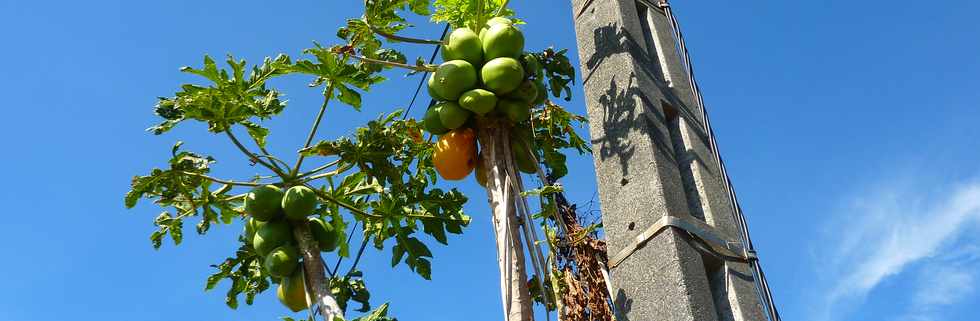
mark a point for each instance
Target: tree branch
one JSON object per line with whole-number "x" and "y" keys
{"x": 266, "y": 154}
{"x": 362, "y": 213}
{"x": 316, "y": 125}
{"x": 343, "y": 204}
{"x": 274, "y": 160}
{"x": 252, "y": 156}
{"x": 501, "y": 9}
{"x": 423, "y": 68}
{"x": 218, "y": 180}
{"x": 329, "y": 174}
{"x": 401, "y": 38}
{"x": 395, "y": 37}
{"x": 315, "y": 170}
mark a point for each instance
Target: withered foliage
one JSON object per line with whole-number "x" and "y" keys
{"x": 580, "y": 257}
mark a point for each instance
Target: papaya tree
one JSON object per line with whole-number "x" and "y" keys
{"x": 491, "y": 112}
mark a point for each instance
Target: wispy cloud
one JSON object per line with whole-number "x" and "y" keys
{"x": 945, "y": 281}
{"x": 894, "y": 226}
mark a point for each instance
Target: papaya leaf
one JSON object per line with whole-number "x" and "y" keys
{"x": 156, "y": 238}
{"x": 383, "y": 14}
{"x": 182, "y": 186}
{"x": 243, "y": 271}
{"x": 378, "y": 314}
{"x": 350, "y": 97}
{"x": 424, "y": 268}
{"x": 553, "y": 132}
{"x": 350, "y": 288}
{"x": 397, "y": 253}
{"x": 258, "y": 133}
{"x": 334, "y": 72}
{"x": 436, "y": 228}
{"x": 467, "y": 13}
{"x": 228, "y": 100}
{"x": 416, "y": 248}
{"x": 537, "y": 294}
{"x": 544, "y": 190}
{"x": 559, "y": 71}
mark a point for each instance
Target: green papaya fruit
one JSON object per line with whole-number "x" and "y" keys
{"x": 463, "y": 44}
{"x": 502, "y": 40}
{"x": 263, "y": 202}
{"x": 299, "y": 202}
{"x": 452, "y": 78}
{"x": 502, "y": 75}
{"x": 479, "y": 101}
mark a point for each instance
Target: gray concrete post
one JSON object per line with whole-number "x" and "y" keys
{"x": 652, "y": 159}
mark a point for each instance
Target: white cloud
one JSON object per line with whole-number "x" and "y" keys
{"x": 944, "y": 286}
{"x": 943, "y": 282}
{"x": 891, "y": 228}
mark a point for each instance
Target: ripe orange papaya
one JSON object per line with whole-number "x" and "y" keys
{"x": 455, "y": 154}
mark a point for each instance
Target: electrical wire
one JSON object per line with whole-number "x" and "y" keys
{"x": 424, "y": 74}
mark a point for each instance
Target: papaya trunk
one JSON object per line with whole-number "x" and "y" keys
{"x": 496, "y": 155}
{"x": 317, "y": 285}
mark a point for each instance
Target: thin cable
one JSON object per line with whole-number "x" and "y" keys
{"x": 424, "y": 74}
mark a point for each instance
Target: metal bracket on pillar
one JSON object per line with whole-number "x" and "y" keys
{"x": 714, "y": 242}
{"x": 655, "y": 4}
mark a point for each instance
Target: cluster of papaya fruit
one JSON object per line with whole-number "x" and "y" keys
{"x": 268, "y": 229}
{"x": 484, "y": 75}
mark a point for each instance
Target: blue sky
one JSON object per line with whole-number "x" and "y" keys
{"x": 849, "y": 129}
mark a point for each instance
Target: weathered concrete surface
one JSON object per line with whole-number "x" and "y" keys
{"x": 735, "y": 292}
{"x": 652, "y": 159}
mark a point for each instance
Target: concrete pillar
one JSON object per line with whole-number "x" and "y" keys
{"x": 652, "y": 159}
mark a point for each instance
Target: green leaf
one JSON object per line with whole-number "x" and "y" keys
{"x": 258, "y": 133}
{"x": 420, "y": 7}
{"x": 350, "y": 97}
{"x": 424, "y": 268}
{"x": 436, "y": 228}
{"x": 227, "y": 214}
{"x": 554, "y": 130}
{"x": 333, "y": 71}
{"x": 544, "y": 190}
{"x": 156, "y": 238}
{"x": 340, "y": 226}
{"x": 397, "y": 253}
{"x": 456, "y": 227}
{"x": 181, "y": 187}
{"x": 176, "y": 231}
{"x": 228, "y": 100}
{"x": 364, "y": 187}
{"x": 416, "y": 248}
{"x": 212, "y": 281}
{"x": 460, "y": 13}
{"x": 559, "y": 70}
{"x": 231, "y": 301}
{"x": 245, "y": 273}
{"x": 132, "y": 197}
{"x": 378, "y": 314}
{"x": 210, "y": 70}
{"x": 321, "y": 148}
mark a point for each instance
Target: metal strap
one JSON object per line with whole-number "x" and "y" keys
{"x": 712, "y": 239}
